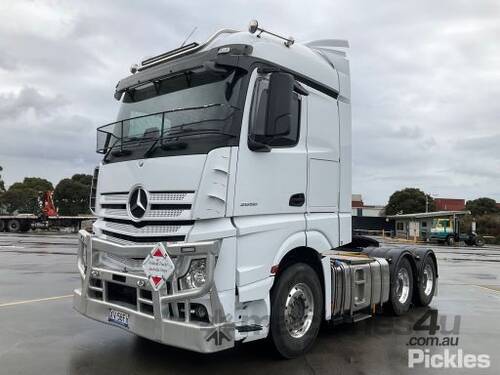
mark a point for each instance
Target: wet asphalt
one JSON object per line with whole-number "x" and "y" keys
{"x": 40, "y": 333}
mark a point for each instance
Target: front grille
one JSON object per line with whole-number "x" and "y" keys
{"x": 168, "y": 217}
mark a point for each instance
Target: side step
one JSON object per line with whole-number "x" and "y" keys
{"x": 349, "y": 318}
{"x": 356, "y": 317}
{"x": 249, "y": 328}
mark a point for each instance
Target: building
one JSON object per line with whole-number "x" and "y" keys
{"x": 449, "y": 204}
{"x": 369, "y": 219}
{"x": 359, "y": 208}
{"x": 418, "y": 226}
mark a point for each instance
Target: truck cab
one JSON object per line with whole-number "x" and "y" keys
{"x": 231, "y": 161}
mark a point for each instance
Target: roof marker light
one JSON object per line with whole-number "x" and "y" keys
{"x": 223, "y": 50}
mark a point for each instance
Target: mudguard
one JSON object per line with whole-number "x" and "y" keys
{"x": 416, "y": 256}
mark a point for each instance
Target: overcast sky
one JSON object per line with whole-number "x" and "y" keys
{"x": 425, "y": 81}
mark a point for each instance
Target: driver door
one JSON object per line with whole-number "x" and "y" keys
{"x": 273, "y": 182}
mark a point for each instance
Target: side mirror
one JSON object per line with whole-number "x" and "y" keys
{"x": 279, "y": 104}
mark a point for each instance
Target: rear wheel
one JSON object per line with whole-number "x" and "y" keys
{"x": 401, "y": 288}
{"x": 14, "y": 225}
{"x": 2, "y": 225}
{"x": 479, "y": 241}
{"x": 296, "y": 310}
{"x": 427, "y": 283}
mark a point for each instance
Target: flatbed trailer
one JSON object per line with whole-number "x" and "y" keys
{"x": 25, "y": 222}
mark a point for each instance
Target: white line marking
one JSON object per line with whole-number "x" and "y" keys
{"x": 34, "y": 300}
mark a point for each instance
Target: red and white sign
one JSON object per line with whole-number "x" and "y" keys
{"x": 158, "y": 267}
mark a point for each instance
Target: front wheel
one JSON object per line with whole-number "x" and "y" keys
{"x": 296, "y": 310}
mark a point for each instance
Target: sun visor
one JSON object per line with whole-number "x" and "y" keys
{"x": 226, "y": 56}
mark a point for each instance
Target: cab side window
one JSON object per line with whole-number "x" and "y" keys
{"x": 258, "y": 117}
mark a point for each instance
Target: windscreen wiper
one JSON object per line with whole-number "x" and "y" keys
{"x": 178, "y": 134}
{"x": 120, "y": 152}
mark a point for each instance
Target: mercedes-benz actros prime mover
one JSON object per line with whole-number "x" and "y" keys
{"x": 223, "y": 202}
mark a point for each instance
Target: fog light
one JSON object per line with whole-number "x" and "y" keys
{"x": 200, "y": 312}
{"x": 196, "y": 275}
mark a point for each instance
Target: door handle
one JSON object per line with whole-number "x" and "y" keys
{"x": 297, "y": 200}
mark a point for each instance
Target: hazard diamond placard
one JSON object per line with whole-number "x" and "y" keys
{"x": 158, "y": 267}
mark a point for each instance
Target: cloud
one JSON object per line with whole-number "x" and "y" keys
{"x": 41, "y": 130}
{"x": 13, "y": 105}
{"x": 425, "y": 80}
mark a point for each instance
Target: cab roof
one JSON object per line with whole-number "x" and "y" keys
{"x": 320, "y": 60}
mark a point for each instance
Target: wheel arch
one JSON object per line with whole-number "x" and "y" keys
{"x": 309, "y": 256}
{"x": 301, "y": 254}
{"x": 394, "y": 255}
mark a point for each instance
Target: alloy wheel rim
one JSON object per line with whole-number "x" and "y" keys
{"x": 428, "y": 279}
{"x": 299, "y": 310}
{"x": 402, "y": 285}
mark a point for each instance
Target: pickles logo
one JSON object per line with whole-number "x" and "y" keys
{"x": 447, "y": 359}
{"x": 439, "y": 336}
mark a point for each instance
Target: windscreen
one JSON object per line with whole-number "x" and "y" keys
{"x": 191, "y": 112}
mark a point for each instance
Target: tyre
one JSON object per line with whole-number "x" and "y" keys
{"x": 479, "y": 241}
{"x": 401, "y": 288}
{"x": 296, "y": 310}
{"x": 13, "y": 226}
{"x": 427, "y": 283}
{"x": 450, "y": 241}
{"x": 2, "y": 225}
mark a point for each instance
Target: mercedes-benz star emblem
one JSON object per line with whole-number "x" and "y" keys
{"x": 138, "y": 203}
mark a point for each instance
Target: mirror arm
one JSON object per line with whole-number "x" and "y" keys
{"x": 298, "y": 88}
{"x": 256, "y": 146}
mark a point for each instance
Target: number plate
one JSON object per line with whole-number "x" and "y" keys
{"x": 118, "y": 317}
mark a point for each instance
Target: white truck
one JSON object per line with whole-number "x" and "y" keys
{"x": 223, "y": 202}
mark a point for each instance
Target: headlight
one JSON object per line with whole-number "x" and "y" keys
{"x": 195, "y": 276}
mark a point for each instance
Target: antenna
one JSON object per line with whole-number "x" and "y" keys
{"x": 189, "y": 36}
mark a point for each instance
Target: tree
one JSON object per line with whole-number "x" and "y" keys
{"x": 409, "y": 201}
{"x": 482, "y": 206}
{"x": 35, "y": 183}
{"x": 71, "y": 195}
{"x": 24, "y": 197}
{"x": 21, "y": 200}
{"x": 85, "y": 179}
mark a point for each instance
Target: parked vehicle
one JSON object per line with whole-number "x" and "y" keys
{"x": 447, "y": 231}
{"x": 48, "y": 218}
{"x": 224, "y": 202}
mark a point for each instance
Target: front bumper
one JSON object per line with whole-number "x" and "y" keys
{"x": 154, "y": 315}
